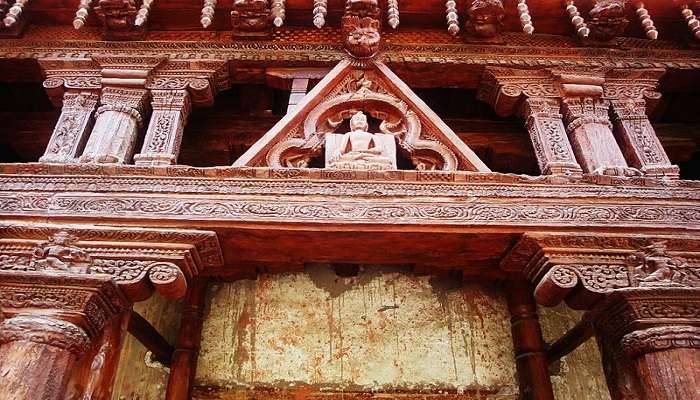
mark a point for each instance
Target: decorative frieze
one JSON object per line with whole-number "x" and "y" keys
{"x": 73, "y": 127}
{"x": 164, "y": 135}
{"x": 117, "y": 123}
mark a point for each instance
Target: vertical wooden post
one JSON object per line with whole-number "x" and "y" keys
{"x": 529, "y": 348}
{"x": 184, "y": 362}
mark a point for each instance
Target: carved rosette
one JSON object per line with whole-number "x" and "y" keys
{"x": 164, "y": 135}
{"x": 72, "y": 129}
{"x": 118, "y": 120}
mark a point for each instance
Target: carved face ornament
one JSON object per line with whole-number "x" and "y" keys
{"x": 362, "y": 36}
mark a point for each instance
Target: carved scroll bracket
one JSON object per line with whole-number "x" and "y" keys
{"x": 138, "y": 261}
{"x": 642, "y": 296}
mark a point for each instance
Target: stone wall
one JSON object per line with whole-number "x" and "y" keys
{"x": 579, "y": 375}
{"x": 317, "y": 333}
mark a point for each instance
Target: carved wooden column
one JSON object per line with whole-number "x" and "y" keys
{"x": 530, "y": 356}
{"x": 639, "y": 142}
{"x": 117, "y": 123}
{"x": 642, "y": 300}
{"x": 164, "y": 135}
{"x": 589, "y": 126}
{"x": 52, "y": 319}
{"x": 653, "y": 336}
{"x": 73, "y": 127}
{"x": 184, "y": 363}
{"x": 548, "y": 135}
{"x": 534, "y": 96}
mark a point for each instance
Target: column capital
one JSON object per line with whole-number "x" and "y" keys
{"x": 138, "y": 261}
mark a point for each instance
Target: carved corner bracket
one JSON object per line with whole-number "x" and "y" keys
{"x": 583, "y": 269}
{"x": 137, "y": 260}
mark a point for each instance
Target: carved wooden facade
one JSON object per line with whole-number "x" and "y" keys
{"x": 107, "y": 216}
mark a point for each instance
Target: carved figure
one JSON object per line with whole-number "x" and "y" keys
{"x": 653, "y": 267}
{"x": 359, "y": 149}
{"x": 361, "y": 27}
{"x": 607, "y": 19}
{"x": 60, "y": 253}
{"x": 118, "y": 17}
{"x": 485, "y": 18}
{"x": 251, "y": 19}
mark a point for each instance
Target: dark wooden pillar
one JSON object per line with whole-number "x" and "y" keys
{"x": 530, "y": 355}
{"x": 51, "y": 321}
{"x": 652, "y": 338}
{"x": 184, "y": 361}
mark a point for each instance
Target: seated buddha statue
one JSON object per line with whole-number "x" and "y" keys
{"x": 359, "y": 149}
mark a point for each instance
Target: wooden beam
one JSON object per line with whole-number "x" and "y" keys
{"x": 570, "y": 341}
{"x": 145, "y": 333}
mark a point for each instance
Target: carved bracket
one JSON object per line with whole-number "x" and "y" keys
{"x": 119, "y": 20}
{"x": 138, "y": 261}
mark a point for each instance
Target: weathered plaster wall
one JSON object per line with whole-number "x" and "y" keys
{"x": 136, "y": 380}
{"x": 313, "y": 332}
{"x": 580, "y": 374}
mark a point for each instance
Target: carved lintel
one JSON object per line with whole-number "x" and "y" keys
{"x": 640, "y": 144}
{"x": 549, "y": 138}
{"x": 119, "y": 20}
{"x": 164, "y": 135}
{"x": 118, "y": 120}
{"x": 73, "y": 127}
{"x": 485, "y": 18}
{"x": 251, "y": 19}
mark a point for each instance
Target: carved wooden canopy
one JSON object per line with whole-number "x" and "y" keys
{"x": 421, "y": 136}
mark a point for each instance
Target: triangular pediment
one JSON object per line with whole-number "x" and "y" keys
{"x": 406, "y": 126}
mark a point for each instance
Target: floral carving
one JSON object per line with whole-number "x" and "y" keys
{"x": 661, "y": 338}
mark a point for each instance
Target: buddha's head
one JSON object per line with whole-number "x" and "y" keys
{"x": 358, "y": 122}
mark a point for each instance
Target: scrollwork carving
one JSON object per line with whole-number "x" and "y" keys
{"x": 661, "y": 338}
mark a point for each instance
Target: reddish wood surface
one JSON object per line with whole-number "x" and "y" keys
{"x": 530, "y": 356}
{"x": 670, "y": 374}
{"x": 184, "y": 361}
{"x": 145, "y": 333}
{"x": 32, "y": 371}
